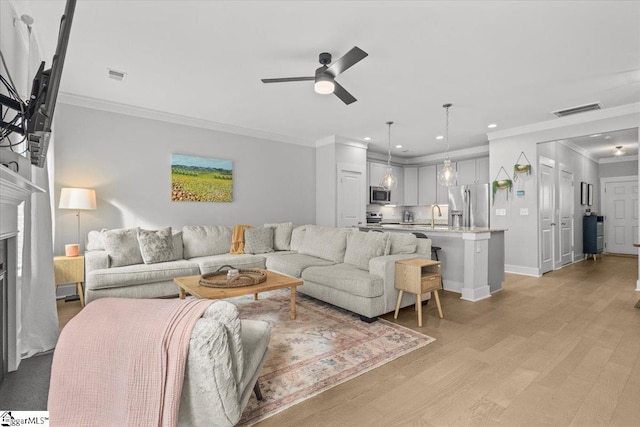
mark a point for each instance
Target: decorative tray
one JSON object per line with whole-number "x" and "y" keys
{"x": 248, "y": 277}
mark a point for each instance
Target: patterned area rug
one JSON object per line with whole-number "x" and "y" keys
{"x": 325, "y": 346}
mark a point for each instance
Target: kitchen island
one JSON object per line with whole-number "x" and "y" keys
{"x": 472, "y": 258}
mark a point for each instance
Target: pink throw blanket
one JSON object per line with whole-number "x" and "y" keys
{"x": 121, "y": 362}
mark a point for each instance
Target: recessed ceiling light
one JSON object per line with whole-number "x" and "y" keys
{"x": 492, "y": 125}
{"x": 366, "y": 138}
{"x": 439, "y": 137}
{"x": 607, "y": 137}
{"x": 595, "y": 135}
{"x": 398, "y": 146}
{"x": 618, "y": 151}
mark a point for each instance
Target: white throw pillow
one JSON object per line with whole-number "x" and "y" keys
{"x": 297, "y": 236}
{"x": 362, "y": 246}
{"x": 156, "y": 245}
{"x": 281, "y": 235}
{"x": 402, "y": 243}
{"x": 206, "y": 240}
{"x": 122, "y": 246}
{"x": 258, "y": 240}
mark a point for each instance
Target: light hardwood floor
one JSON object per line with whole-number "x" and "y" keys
{"x": 560, "y": 350}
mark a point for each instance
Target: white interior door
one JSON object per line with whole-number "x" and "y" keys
{"x": 351, "y": 196}
{"x": 566, "y": 216}
{"x": 621, "y": 216}
{"x": 546, "y": 193}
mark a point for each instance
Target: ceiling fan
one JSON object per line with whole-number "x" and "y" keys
{"x": 324, "y": 79}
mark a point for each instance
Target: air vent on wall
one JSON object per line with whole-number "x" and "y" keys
{"x": 116, "y": 75}
{"x": 579, "y": 109}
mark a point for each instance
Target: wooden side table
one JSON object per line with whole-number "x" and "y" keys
{"x": 418, "y": 276}
{"x": 70, "y": 270}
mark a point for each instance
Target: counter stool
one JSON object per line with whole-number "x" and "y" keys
{"x": 434, "y": 252}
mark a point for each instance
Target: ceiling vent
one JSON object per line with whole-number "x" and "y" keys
{"x": 579, "y": 109}
{"x": 116, "y": 75}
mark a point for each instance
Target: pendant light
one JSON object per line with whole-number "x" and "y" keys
{"x": 389, "y": 181}
{"x": 447, "y": 175}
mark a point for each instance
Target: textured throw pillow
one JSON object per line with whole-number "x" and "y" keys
{"x": 95, "y": 240}
{"x": 206, "y": 240}
{"x": 361, "y": 247}
{"x": 122, "y": 246}
{"x": 297, "y": 236}
{"x": 156, "y": 245}
{"x": 281, "y": 235}
{"x": 402, "y": 243}
{"x": 178, "y": 250}
{"x": 324, "y": 242}
{"x": 258, "y": 240}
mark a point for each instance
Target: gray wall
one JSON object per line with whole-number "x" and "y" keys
{"x": 522, "y": 235}
{"x": 127, "y": 160}
{"x": 609, "y": 170}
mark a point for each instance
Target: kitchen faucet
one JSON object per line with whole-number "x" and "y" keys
{"x": 433, "y": 221}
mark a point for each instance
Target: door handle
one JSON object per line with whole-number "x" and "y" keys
{"x": 564, "y": 223}
{"x": 553, "y": 224}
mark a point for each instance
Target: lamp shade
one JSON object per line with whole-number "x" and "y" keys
{"x": 77, "y": 198}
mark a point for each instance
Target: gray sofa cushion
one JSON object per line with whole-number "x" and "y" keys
{"x": 95, "y": 240}
{"x": 211, "y": 264}
{"x": 156, "y": 245}
{"x": 255, "y": 341}
{"x": 324, "y": 242}
{"x": 206, "y": 240}
{"x": 362, "y": 246}
{"x": 178, "y": 249}
{"x": 294, "y": 264}
{"x": 140, "y": 274}
{"x": 346, "y": 278}
{"x": 122, "y": 246}
{"x": 281, "y": 235}
{"x": 258, "y": 240}
{"x": 402, "y": 243}
{"x": 297, "y": 236}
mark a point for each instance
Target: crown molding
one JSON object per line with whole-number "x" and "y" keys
{"x": 560, "y": 122}
{"x": 337, "y": 139}
{"x": 579, "y": 150}
{"x": 618, "y": 159}
{"x": 131, "y": 110}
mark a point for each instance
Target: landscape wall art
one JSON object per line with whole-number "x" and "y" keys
{"x": 200, "y": 179}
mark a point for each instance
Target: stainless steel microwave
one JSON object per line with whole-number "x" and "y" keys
{"x": 379, "y": 195}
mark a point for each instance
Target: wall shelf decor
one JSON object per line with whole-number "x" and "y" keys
{"x": 520, "y": 167}
{"x": 501, "y": 184}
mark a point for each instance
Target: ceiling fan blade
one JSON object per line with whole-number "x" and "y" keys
{"x": 288, "y": 79}
{"x": 342, "y": 93}
{"x": 349, "y": 59}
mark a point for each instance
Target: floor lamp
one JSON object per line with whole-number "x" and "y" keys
{"x": 78, "y": 199}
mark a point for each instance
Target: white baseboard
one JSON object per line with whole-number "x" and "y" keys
{"x": 525, "y": 271}
{"x": 638, "y": 286}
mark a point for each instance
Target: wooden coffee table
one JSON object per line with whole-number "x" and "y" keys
{"x": 191, "y": 285}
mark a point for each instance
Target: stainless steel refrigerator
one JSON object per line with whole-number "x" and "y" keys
{"x": 469, "y": 205}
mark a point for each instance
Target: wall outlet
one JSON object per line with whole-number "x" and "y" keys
{"x": 501, "y": 212}
{"x": 524, "y": 211}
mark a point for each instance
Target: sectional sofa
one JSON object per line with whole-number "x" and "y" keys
{"x": 348, "y": 268}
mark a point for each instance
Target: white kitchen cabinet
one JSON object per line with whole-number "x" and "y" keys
{"x": 427, "y": 182}
{"x": 473, "y": 171}
{"x": 376, "y": 172}
{"x": 411, "y": 186}
{"x": 482, "y": 170}
{"x": 442, "y": 192}
{"x": 397, "y": 195}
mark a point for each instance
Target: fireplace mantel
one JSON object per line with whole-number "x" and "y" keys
{"x": 14, "y": 189}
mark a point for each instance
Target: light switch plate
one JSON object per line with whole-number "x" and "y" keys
{"x": 524, "y": 211}
{"x": 501, "y": 212}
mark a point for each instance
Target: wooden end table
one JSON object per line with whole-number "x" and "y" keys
{"x": 191, "y": 285}
{"x": 418, "y": 276}
{"x": 70, "y": 269}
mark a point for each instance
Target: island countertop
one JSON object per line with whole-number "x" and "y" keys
{"x": 439, "y": 228}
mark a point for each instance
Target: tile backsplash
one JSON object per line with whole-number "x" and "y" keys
{"x": 420, "y": 213}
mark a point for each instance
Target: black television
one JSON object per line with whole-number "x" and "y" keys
{"x": 37, "y": 111}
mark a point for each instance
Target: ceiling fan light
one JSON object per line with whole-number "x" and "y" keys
{"x": 324, "y": 84}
